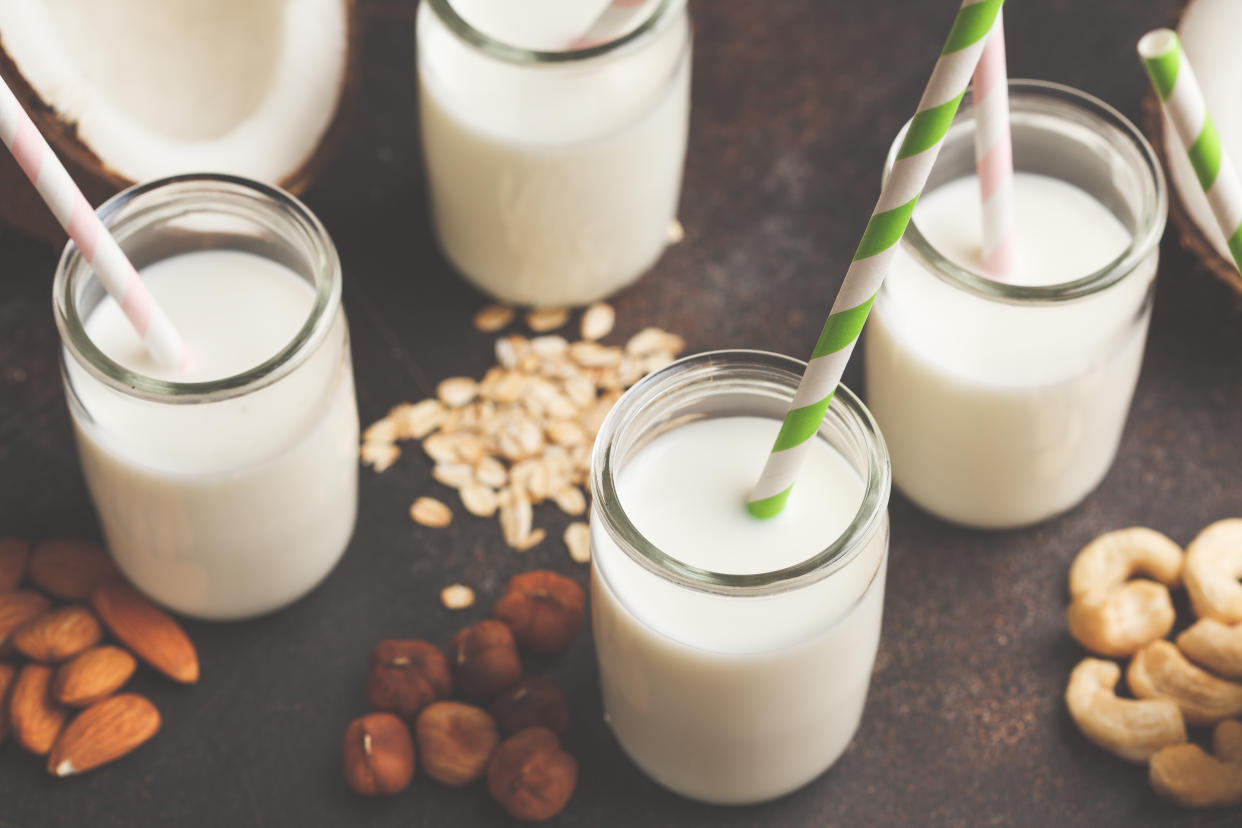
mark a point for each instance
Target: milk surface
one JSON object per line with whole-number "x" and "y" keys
{"x": 232, "y": 508}
{"x": 998, "y": 414}
{"x": 725, "y": 698}
{"x": 553, "y": 184}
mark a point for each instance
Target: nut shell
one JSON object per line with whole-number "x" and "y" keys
{"x": 378, "y": 755}
{"x": 545, "y": 610}
{"x": 103, "y": 732}
{"x": 532, "y": 702}
{"x": 485, "y": 660}
{"x": 530, "y": 776}
{"x": 406, "y": 676}
{"x": 70, "y": 568}
{"x": 92, "y": 675}
{"x": 57, "y": 635}
{"x": 455, "y": 741}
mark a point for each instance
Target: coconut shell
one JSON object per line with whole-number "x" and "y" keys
{"x": 21, "y": 207}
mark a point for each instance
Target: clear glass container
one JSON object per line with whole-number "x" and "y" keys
{"x": 736, "y": 688}
{"x": 232, "y": 497}
{"x": 1003, "y": 404}
{"x": 553, "y": 176}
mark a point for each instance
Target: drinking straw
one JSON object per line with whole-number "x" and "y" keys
{"x": 94, "y": 241}
{"x": 994, "y": 155}
{"x": 1179, "y": 92}
{"x": 872, "y": 259}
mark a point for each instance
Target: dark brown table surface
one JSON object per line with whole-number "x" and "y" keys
{"x": 794, "y": 106}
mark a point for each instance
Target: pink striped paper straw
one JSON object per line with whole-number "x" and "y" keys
{"x": 94, "y": 241}
{"x": 994, "y": 156}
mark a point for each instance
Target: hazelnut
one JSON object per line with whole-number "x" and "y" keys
{"x": 544, "y": 610}
{"x": 455, "y": 740}
{"x": 406, "y": 676}
{"x": 530, "y": 776}
{"x": 485, "y": 659}
{"x": 532, "y": 701}
{"x": 378, "y": 755}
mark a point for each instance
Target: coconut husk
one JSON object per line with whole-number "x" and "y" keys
{"x": 21, "y": 207}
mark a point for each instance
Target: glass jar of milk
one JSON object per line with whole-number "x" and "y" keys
{"x": 229, "y": 489}
{"x": 734, "y": 653}
{"x": 553, "y": 175}
{"x": 1003, "y": 403}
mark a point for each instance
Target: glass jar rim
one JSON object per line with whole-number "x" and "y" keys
{"x": 1151, "y": 221}
{"x": 659, "y": 17}
{"x": 846, "y": 407}
{"x": 72, "y": 267}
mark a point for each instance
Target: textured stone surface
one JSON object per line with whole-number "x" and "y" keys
{"x": 795, "y": 103}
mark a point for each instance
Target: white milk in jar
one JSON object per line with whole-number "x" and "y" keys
{"x": 735, "y": 653}
{"x": 553, "y": 176}
{"x": 1003, "y": 404}
{"x": 239, "y": 500}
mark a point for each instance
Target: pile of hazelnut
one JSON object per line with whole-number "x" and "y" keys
{"x": 411, "y": 685}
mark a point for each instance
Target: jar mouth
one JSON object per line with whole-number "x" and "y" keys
{"x": 1042, "y": 99}
{"x": 226, "y": 196}
{"x": 659, "y": 17}
{"x": 760, "y": 374}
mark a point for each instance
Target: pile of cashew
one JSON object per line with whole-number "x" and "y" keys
{"x": 1197, "y": 681}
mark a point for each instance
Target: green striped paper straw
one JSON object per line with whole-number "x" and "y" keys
{"x": 1174, "y": 81}
{"x": 975, "y": 20}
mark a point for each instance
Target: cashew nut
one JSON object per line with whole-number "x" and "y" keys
{"x": 1117, "y": 556}
{"x": 1160, "y": 671}
{"x": 1213, "y": 567}
{"x": 1115, "y": 622}
{"x": 1227, "y": 741}
{"x": 1214, "y": 645}
{"x": 1193, "y": 779}
{"x": 1132, "y": 729}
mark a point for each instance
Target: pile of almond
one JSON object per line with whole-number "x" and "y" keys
{"x": 522, "y": 434}
{"x": 59, "y": 677}
{"x": 514, "y": 742}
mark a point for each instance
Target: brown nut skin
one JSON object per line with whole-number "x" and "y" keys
{"x": 455, "y": 741}
{"x": 530, "y": 776}
{"x": 378, "y": 755}
{"x": 534, "y": 701}
{"x": 485, "y": 660}
{"x": 545, "y": 610}
{"x": 406, "y": 676}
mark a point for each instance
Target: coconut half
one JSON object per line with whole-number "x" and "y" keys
{"x": 1209, "y": 31}
{"x": 130, "y": 90}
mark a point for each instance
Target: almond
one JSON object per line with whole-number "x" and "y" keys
{"x": 7, "y": 673}
{"x": 57, "y": 635}
{"x": 13, "y": 555}
{"x": 147, "y": 630}
{"x": 92, "y": 675}
{"x": 105, "y": 731}
{"x": 36, "y": 719}
{"x": 69, "y": 568}
{"x": 16, "y": 609}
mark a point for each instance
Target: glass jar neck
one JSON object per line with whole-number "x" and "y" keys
{"x": 734, "y": 383}
{"x": 187, "y": 213}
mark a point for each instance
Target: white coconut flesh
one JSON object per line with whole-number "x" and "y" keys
{"x": 1210, "y": 31}
{"x": 159, "y": 87}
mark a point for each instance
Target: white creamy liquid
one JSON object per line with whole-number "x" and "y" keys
{"x": 724, "y": 698}
{"x": 224, "y": 509}
{"x": 553, "y": 184}
{"x": 999, "y": 415}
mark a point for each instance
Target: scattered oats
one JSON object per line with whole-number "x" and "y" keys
{"x": 379, "y": 455}
{"x": 532, "y": 540}
{"x": 675, "y": 232}
{"x": 456, "y": 392}
{"x": 471, "y": 448}
{"x": 542, "y": 320}
{"x": 571, "y": 500}
{"x": 581, "y": 391}
{"x": 516, "y": 516}
{"x": 430, "y": 512}
{"x": 653, "y": 340}
{"x": 597, "y": 321}
{"x": 414, "y": 422}
{"x": 550, "y": 346}
{"x": 492, "y": 318}
{"x": 454, "y": 475}
{"x": 479, "y": 500}
{"x": 441, "y": 447}
{"x": 507, "y": 351}
{"x": 578, "y": 539}
{"x": 654, "y": 362}
{"x": 382, "y": 431}
{"x": 565, "y": 432}
{"x": 594, "y": 418}
{"x": 491, "y": 472}
{"x": 457, "y": 597}
{"x": 594, "y": 355}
